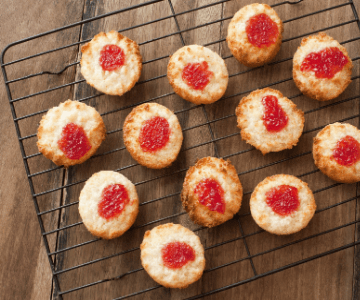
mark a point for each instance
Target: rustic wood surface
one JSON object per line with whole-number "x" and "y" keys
{"x": 24, "y": 268}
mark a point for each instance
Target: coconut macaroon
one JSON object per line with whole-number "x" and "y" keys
{"x": 255, "y": 34}
{"x": 336, "y": 152}
{"x": 172, "y": 255}
{"x": 108, "y": 204}
{"x": 198, "y": 74}
{"x": 111, "y": 63}
{"x": 282, "y": 204}
{"x": 321, "y": 67}
{"x": 269, "y": 121}
{"x": 152, "y": 135}
{"x": 70, "y": 133}
{"x": 212, "y": 192}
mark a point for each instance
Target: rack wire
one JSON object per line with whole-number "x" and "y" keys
{"x": 40, "y": 196}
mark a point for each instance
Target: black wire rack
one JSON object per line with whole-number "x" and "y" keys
{"x": 41, "y": 167}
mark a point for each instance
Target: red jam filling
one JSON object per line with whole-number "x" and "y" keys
{"x": 154, "y": 134}
{"x": 283, "y": 199}
{"x": 74, "y": 142}
{"x": 114, "y": 198}
{"x": 325, "y": 63}
{"x": 347, "y": 151}
{"x": 275, "y": 118}
{"x": 211, "y": 194}
{"x": 261, "y": 31}
{"x": 177, "y": 254}
{"x": 197, "y": 75}
{"x": 112, "y": 57}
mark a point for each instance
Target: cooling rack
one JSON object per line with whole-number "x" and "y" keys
{"x": 83, "y": 265}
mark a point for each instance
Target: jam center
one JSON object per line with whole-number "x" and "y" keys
{"x": 154, "y": 134}
{"x": 112, "y": 57}
{"x": 114, "y": 198}
{"x": 197, "y": 75}
{"x": 325, "y": 63}
{"x": 211, "y": 194}
{"x": 347, "y": 151}
{"x": 274, "y": 118}
{"x": 74, "y": 142}
{"x": 177, "y": 254}
{"x": 261, "y": 31}
{"x": 283, "y": 199}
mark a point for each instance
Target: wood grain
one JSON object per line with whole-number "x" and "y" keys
{"x": 25, "y": 271}
{"x": 331, "y": 277}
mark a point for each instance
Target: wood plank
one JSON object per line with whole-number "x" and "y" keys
{"x": 356, "y": 269}
{"x": 25, "y": 271}
{"x": 329, "y": 277}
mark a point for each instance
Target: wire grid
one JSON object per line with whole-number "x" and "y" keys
{"x": 213, "y": 140}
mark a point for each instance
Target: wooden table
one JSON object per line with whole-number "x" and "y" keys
{"x": 25, "y": 271}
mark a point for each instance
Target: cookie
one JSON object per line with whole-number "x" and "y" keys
{"x": 172, "y": 255}
{"x": 152, "y": 135}
{"x": 70, "y": 133}
{"x": 321, "y": 67}
{"x": 212, "y": 192}
{"x": 336, "y": 152}
{"x": 198, "y": 74}
{"x": 255, "y": 34}
{"x": 111, "y": 63}
{"x": 269, "y": 121}
{"x": 108, "y": 204}
{"x": 282, "y": 204}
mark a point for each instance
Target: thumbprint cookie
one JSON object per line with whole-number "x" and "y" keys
{"x": 269, "y": 121}
{"x": 70, "y": 133}
{"x": 255, "y": 34}
{"x": 336, "y": 152}
{"x": 282, "y": 204}
{"x": 198, "y": 74}
{"x": 172, "y": 255}
{"x": 152, "y": 135}
{"x": 212, "y": 192}
{"x": 108, "y": 204}
{"x": 321, "y": 67}
{"x": 111, "y": 63}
